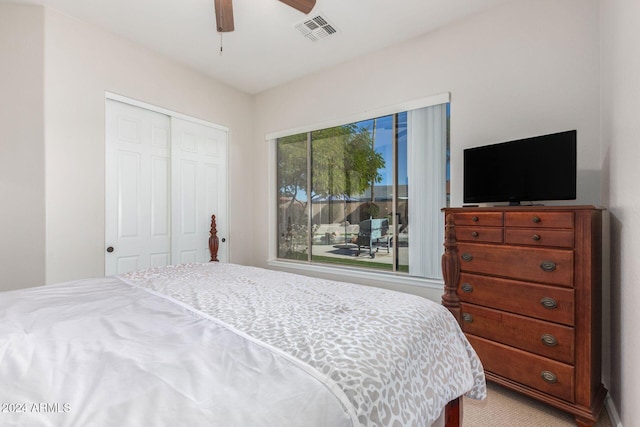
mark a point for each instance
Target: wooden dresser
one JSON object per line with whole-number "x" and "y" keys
{"x": 525, "y": 283}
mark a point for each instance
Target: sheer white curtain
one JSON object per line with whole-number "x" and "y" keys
{"x": 426, "y": 167}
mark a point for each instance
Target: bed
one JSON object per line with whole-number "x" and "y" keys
{"x": 215, "y": 344}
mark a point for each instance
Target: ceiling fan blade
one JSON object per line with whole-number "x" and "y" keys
{"x": 303, "y": 6}
{"x": 224, "y": 15}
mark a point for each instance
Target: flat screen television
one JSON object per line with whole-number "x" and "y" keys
{"x": 524, "y": 170}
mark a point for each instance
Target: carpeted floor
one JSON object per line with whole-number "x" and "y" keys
{"x": 504, "y": 408}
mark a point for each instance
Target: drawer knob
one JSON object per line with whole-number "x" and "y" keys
{"x": 549, "y": 340}
{"x": 535, "y": 219}
{"x": 467, "y": 287}
{"x": 548, "y": 266}
{"x": 467, "y": 256}
{"x": 549, "y": 377}
{"x": 535, "y": 237}
{"x": 474, "y": 219}
{"x": 474, "y": 234}
{"x": 549, "y": 303}
{"x": 467, "y": 317}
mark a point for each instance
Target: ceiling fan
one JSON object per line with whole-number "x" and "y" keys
{"x": 224, "y": 11}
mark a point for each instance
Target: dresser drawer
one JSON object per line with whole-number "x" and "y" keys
{"x": 526, "y": 368}
{"x": 554, "y": 266}
{"x": 544, "y": 302}
{"x": 479, "y": 234}
{"x": 539, "y": 237}
{"x": 491, "y": 219}
{"x": 537, "y": 336}
{"x": 539, "y": 219}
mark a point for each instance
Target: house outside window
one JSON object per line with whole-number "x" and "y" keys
{"x": 366, "y": 194}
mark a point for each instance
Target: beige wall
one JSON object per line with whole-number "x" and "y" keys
{"x": 55, "y": 71}
{"x": 526, "y": 68}
{"x": 22, "y": 186}
{"x": 620, "y": 61}
{"x": 523, "y": 69}
{"x": 81, "y": 63}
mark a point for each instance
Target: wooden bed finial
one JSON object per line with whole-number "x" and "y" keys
{"x": 451, "y": 269}
{"x": 213, "y": 240}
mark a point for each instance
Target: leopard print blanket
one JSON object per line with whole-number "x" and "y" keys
{"x": 396, "y": 358}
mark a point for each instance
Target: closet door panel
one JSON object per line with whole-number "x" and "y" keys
{"x": 199, "y": 189}
{"x": 136, "y": 188}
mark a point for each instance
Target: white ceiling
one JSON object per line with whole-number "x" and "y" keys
{"x": 265, "y": 49}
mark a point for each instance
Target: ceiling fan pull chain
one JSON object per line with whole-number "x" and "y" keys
{"x": 220, "y": 43}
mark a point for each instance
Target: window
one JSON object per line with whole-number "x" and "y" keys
{"x": 366, "y": 194}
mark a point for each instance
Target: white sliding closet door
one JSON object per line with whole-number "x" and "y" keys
{"x": 165, "y": 177}
{"x": 137, "y": 216}
{"x": 198, "y": 187}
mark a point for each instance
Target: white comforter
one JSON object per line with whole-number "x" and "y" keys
{"x": 225, "y": 345}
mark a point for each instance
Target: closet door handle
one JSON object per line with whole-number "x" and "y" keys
{"x": 110, "y": 249}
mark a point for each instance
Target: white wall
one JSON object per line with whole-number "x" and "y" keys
{"x": 526, "y": 68}
{"x": 81, "y": 63}
{"x": 22, "y": 210}
{"x": 620, "y": 61}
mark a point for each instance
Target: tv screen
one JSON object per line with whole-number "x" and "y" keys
{"x": 531, "y": 169}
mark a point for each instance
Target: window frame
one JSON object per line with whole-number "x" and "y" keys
{"x": 346, "y": 271}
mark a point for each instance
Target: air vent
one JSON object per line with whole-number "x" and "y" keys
{"x": 316, "y": 28}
